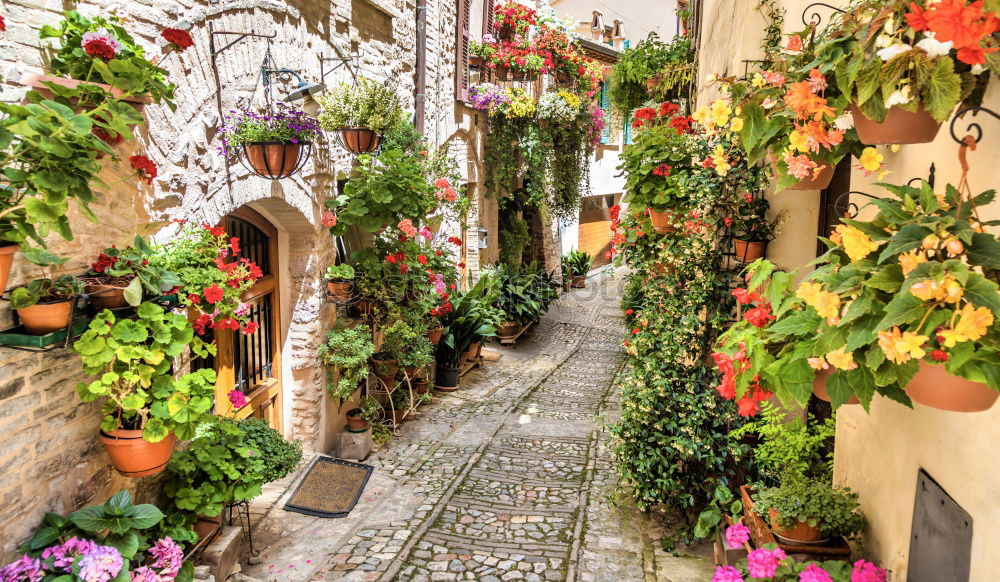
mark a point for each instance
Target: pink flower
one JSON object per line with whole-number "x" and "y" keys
{"x": 762, "y": 562}
{"x": 426, "y": 233}
{"x": 800, "y": 166}
{"x": 406, "y": 225}
{"x": 867, "y": 572}
{"x": 776, "y": 79}
{"x": 813, "y": 573}
{"x": 329, "y": 219}
{"x": 450, "y": 194}
{"x": 737, "y": 535}
{"x": 727, "y": 574}
{"x": 442, "y": 183}
{"x": 237, "y": 399}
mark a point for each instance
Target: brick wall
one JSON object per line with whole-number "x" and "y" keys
{"x": 49, "y": 457}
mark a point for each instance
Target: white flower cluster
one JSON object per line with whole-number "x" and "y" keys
{"x": 555, "y": 108}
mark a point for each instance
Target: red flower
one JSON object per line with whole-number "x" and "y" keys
{"x": 681, "y": 123}
{"x": 194, "y": 299}
{"x": 204, "y": 320}
{"x": 939, "y": 356}
{"x": 404, "y": 268}
{"x": 3, "y": 25}
{"x": 759, "y": 316}
{"x": 178, "y": 39}
{"x": 455, "y": 241}
{"x": 637, "y": 124}
{"x": 214, "y": 293}
{"x": 727, "y": 388}
{"x": 234, "y": 243}
{"x": 250, "y": 328}
{"x": 668, "y": 108}
{"x": 108, "y": 137}
{"x": 145, "y": 168}
{"x": 747, "y": 407}
{"x": 255, "y": 271}
{"x": 629, "y": 311}
{"x": 635, "y": 331}
{"x": 745, "y": 297}
{"x": 329, "y": 219}
{"x": 422, "y": 259}
{"x": 228, "y": 323}
{"x": 916, "y": 18}
{"x": 103, "y": 263}
{"x": 645, "y": 113}
{"x": 99, "y": 49}
{"x": 461, "y": 265}
{"x": 390, "y": 258}
{"x": 438, "y": 253}
{"x": 662, "y": 170}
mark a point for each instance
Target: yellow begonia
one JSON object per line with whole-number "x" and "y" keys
{"x": 973, "y": 322}
{"x": 871, "y": 160}
{"x": 856, "y": 243}
{"x": 758, "y": 81}
{"x": 720, "y": 112}
{"x": 841, "y": 360}
{"x": 722, "y": 165}
{"x": 826, "y": 304}
{"x": 700, "y": 114}
{"x": 737, "y": 124}
{"x": 910, "y": 260}
{"x": 948, "y": 290}
{"x": 818, "y": 363}
{"x": 899, "y": 346}
{"x": 798, "y": 141}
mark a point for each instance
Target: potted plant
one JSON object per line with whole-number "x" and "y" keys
{"x": 512, "y": 19}
{"x": 401, "y": 403}
{"x": 120, "y": 277}
{"x": 579, "y": 265}
{"x": 145, "y": 408}
{"x": 471, "y": 317}
{"x": 775, "y": 565}
{"x": 348, "y": 350}
{"x": 360, "y": 419}
{"x": 634, "y": 75}
{"x": 903, "y": 68}
{"x": 275, "y": 144}
{"x": 359, "y": 115}
{"x": 417, "y": 356}
{"x": 339, "y": 279}
{"x": 280, "y": 457}
{"x": 807, "y": 510}
{"x": 46, "y": 305}
{"x": 753, "y": 230}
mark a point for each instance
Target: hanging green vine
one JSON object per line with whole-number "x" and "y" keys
{"x": 514, "y": 149}
{"x": 771, "y": 43}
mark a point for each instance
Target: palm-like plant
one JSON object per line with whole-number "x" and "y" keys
{"x": 473, "y": 318}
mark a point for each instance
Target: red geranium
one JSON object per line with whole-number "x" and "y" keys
{"x": 234, "y": 243}
{"x": 103, "y": 263}
{"x": 662, "y": 170}
{"x": 422, "y": 259}
{"x": 250, "y": 328}
{"x": 178, "y": 39}
{"x": 214, "y": 230}
{"x": 195, "y": 299}
{"x": 213, "y": 293}
{"x": 667, "y": 109}
{"x": 145, "y": 168}
{"x": 99, "y": 49}
{"x": 681, "y": 123}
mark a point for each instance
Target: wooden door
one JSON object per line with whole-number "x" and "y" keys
{"x": 252, "y": 363}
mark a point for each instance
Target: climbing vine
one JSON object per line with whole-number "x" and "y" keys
{"x": 774, "y": 16}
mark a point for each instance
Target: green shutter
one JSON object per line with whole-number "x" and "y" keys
{"x": 627, "y": 130}
{"x": 606, "y": 107}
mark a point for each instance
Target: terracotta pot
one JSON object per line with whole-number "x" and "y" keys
{"x": 385, "y": 371}
{"x": 434, "y": 335}
{"x": 339, "y": 290}
{"x": 132, "y": 456}
{"x": 661, "y": 220}
{"x": 420, "y": 385}
{"x": 106, "y": 296}
{"x": 476, "y": 61}
{"x": 359, "y": 140}
{"x": 565, "y": 79}
{"x": 6, "y": 260}
{"x": 800, "y": 532}
{"x": 819, "y": 387}
{"x": 567, "y": 283}
{"x": 37, "y": 82}
{"x": 273, "y": 159}
{"x": 652, "y": 83}
{"x": 446, "y": 378}
{"x": 398, "y": 416}
{"x": 206, "y": 526}
{"x": 749, "y": 251}
{"x": 43, "y": 318}
{"x": 411, "y": 372}
{"x": 508, "y": 329}
{"x": 663, "y": 268}
{"x": 935, "y": 387}
{"x": 900, "y": 126}
{"x": 579, "y": 281}
{"x": 355, "y": 423}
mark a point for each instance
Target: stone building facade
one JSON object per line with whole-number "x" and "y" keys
{"x": 50, "y": 459}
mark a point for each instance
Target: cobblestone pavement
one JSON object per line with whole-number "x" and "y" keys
{"x": 511, "y": 478}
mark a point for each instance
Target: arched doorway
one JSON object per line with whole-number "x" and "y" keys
{"x": 252, "y": 363}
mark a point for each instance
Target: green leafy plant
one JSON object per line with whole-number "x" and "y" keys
{"x": 519, "y": 294}
{"x": 514, "y": 238}
{"x": 835, "y": 511}
{"x": 369, "y": 104}
{"x": 750, "y": 222}
{"x": 653, "y": 167}
{"x": 131, "y": 267}
{"x": 650, "y": 58}
{"x": 132, "y": 363}
{"x": 579, "y": 263}
{"x": 471, "y": 319}
{"x": 343, "y": 272}
{"x": 62, "y": 288}
{"x": 283, "y": 125}
{"x": 280, "y": 457}
{"x": 347, "y": 349}
{"x": 790, "y": 445}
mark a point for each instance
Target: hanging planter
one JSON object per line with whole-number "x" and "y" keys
{"x": 508, "y": 74}
{"x": 900, "y": 127}
{"x": 358, "y": 140}
{"x": 272, "y": 145}
{"x": 818, "y": 181}
{"x": 133, "y": 456}
{"x": 933, "y": 386}
{"x": 276, "y": 160}
{"x": 749, "y": 251}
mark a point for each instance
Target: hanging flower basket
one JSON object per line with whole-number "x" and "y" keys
{"x": 508, "y": 74}
{"x": 818, "y": 181}
{"x": 275, "y": 160}
{"x": 358, "y": 140}
{"x": 933, "y": 386}
{"x": 900, "y": 127}
{"x": 749, "y": 251}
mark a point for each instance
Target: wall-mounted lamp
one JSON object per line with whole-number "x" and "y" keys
{"x": 302, "y": 90}
{"x": 484, "y": 235}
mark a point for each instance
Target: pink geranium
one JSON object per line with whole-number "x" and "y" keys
{"x": 762, "y": 562}
{"x": 737, "y": 535}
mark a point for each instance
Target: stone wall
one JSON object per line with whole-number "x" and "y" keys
{"x": 49, "y": 455}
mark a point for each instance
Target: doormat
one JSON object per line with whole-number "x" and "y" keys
{"x": 331, "y": 488}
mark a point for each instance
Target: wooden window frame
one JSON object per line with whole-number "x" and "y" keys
{"x": 462, "y": 38}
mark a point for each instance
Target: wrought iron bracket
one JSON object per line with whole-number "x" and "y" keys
{"x": 215, "y": 52}
{"x": 852, "y": 209}
{"x": 816, "y": 18}
{"x": 973, "y": 130}
{"x": 351, "y": 61}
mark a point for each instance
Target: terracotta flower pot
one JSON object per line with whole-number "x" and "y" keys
{"x": 339, "y": 290}
{"x": 358, "y": 140}
{"x": 900, "y": 126}
{"x": 933, "y": 386}
{"x": 206, "y": 525}
{"x": 6, "y": 260}
{"x": 661, "y": 221}
{"x": 434, "y": 335}
{"x": 652, "y": 83}
{"x": 800, "y": 532}
{"x": 749, "y": 251}
{"x": 133, "y": 456}
{"x": 273, "y": 160}
{"x": 43, "y": 318}
{"x": 355, "y": 423}
{"x": 420, "y": 385}
{"x": 508, "y": 329}
{"x": 106, "y": 296}
{"x": 579, "y": 281}
{"x": 819, "y": 387}
{"x": 473, "y": 351}
{"x": 476, "y": 61}
{"x": 398, "y": 416}
{"x": 385, "y": 371}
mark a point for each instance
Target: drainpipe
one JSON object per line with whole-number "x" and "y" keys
{"x": 420, "y": 81}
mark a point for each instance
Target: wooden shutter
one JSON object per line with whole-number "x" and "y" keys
{"x": 486, "y": 75}
{"x": 462, "y": 51}
{"x": 606, "y": 107}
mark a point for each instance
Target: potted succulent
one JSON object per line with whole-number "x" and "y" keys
{"x": 579, "y": 264}
{"x": 120, "y": 277}
{"x": 275, "y": 144}
{"x": 809, "y": 510}
{"x": 146, "y": 409}
{"x": 359, "y": 115}
{"x": 905, "y": 67}
{"x": 339, "y": 279}
{"x": 348, "y": 350}
{"x": 46, "y": 305}
{"x": 753, "y": 230}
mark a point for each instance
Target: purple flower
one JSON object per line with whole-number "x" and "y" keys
{"x": 727, "y": 574}
{"x": 487, "y": 96}
{"x": 737, "y": 535}
{"x": 101, "y": 565}
{"x": 762, "y": 562}
{"x": 237, "y": 399}
{"x": 813, "y": 573}
{"x": 287, "y": 125}
{"x": 25, "y": 569}
{"x": 867, "y": 572}
{"x": 169, "y": 557}
{"x": 68, "y": 551}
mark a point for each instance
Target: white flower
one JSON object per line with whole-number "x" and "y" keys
{"x": 768, "y": 103}
{"x": 844, "y": 122}
{"x": 899, "y": 97}
{"x": 978, "y": 69}
{"x": 893, "y": 51}
{"x": 890, "y": 26}
{"x": 934, "y": 47}
{"x": 883, "y": 40}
